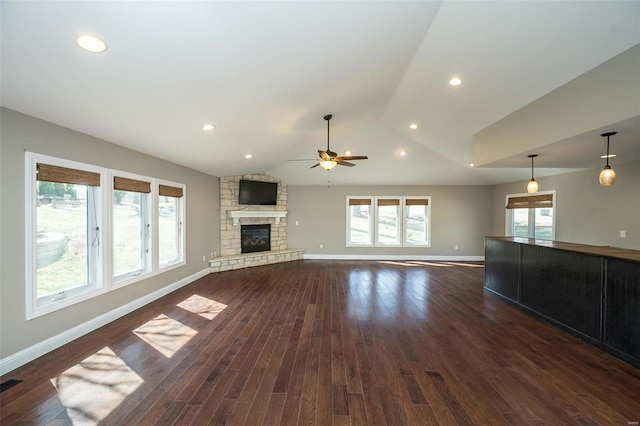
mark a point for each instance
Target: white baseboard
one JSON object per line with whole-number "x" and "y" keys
{"x": 393, "y": 257}
{"x": 29, "y": 354}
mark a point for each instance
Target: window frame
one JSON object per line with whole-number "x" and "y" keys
{"x": 101, "y": 265}
{"x": 180, "y": 223}
{"x": 350, "y": 243}
{"x": 531, "y": 225}
{"x": 405, "y": 212}
{"x": 402, "y": 217}
{"x": 147, "y": 270}
{"x": 97, "y": 284}
{"x": 399, "y": 218}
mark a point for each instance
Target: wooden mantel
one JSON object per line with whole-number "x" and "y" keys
{"x": 236, "y": 215}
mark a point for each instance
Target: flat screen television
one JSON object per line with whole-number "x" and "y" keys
{"x": 254, "y": 192}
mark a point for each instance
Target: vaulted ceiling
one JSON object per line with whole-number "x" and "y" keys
{"x": 265, "y": 73}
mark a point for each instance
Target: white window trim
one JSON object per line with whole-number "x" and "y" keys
{"x": 371, "y": 221}
{"x": 148, "y": 270}
{"x": 35, "y": 308}
{"x": 182, "y": 230}
{"x": 105, "y": 281}
{"x": 404, "y": 220}
{"x": 400, "y": 212}
{"x": 508, "y": 221}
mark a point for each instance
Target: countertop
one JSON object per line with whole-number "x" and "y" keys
{"x": 606, "y": 251}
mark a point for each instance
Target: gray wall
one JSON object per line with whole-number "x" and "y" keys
{"x": 586, "y": 212}
{"x": 20, "y": 133}
{"x": 461, "y": 215}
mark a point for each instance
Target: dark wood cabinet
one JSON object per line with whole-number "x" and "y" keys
{"x": 592, "y": 292}
{"x": 622, "y": 307}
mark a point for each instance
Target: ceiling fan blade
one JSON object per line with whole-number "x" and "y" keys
{"x": 315, "y": 165}
{"x": 324, "y": 155}
{"x": 345, "y": 163}
{"x": 353, "y": 157}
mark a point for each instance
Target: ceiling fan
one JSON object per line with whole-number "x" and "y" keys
{"x": 329, "y": 159}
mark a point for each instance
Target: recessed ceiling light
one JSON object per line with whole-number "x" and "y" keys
{"x": 208, "y": 127}
{"x": 608, "y": 156}
{"x": 455, "y": 81}
{"x": 91, "y": 44}
{"x": 248, "y": 156}
{"x": 347, "y": 153}
{"x": 413, "y": 126}
{"x": 403, "y": 153}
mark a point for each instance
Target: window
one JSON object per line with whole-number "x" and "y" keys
{"x": 170, "y": 225}
{"x": 64, "y": 230}
{"x": 131, "y": 228}
{"x": 416, "y": 219}
{"x": 90, "y": 230}
{"x": 531, "y": 216}
{"x": 388, "y": 221}
{"x": 399, "y": 221}
{"x": 359, "y": 222}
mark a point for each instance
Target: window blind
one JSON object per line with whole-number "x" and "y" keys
{"x": 132, "y": 185}
{"x": 359, "y": 202}
{"x": 49, "y": 173}
{"x": 416, "y": 202}
{"x": 170, "y": 191}
{"x": 529, "y": 202}
{"x": 389, "y": 202}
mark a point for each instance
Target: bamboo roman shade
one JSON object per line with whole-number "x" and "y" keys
{"x": 416, "y": 202}
{"x": 170, "y": 191}
{"x": 359, "y": 202}
{"x": 49, "y": 173}
{"x": 132, "y": 185}
{"x": 389, "y": 202}
{"x": 534, "y": 201}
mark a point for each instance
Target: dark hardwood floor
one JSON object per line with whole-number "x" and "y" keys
{"x": 327, "y": 342}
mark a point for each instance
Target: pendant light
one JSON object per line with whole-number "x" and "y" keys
{"x": 607, "y": 175}
{"x": 532, "y": 186}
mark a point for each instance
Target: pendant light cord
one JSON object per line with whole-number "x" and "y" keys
{"x": 607, "y": 150}
{"x": 532, "y": 156}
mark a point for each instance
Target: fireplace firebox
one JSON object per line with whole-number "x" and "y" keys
{"x": 255, "y": 238}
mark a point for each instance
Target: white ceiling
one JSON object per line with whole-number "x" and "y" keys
{"x": 265, "y": 73}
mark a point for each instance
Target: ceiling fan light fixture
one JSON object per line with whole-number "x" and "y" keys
{"x": 328, "y": 164}
{"x": 607, "y": 175}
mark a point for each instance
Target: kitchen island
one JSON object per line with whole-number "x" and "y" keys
{"x": 592, "y": 292}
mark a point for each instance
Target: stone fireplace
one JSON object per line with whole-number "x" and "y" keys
{"x": 255, "y": 238}
{"x": 234, "y": 218}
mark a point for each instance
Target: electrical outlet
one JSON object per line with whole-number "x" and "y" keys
{"x": 623, "y": 234}
{"x": 204, "y": 258}
{"x": 297, "y": 223}
{"x": 321, "y": 246}
{"x": 455, "y": 248}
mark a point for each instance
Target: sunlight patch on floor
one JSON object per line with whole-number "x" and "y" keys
{"x": 92, "y": 389}
{"x": 420, "y": 262}
{"x": 398, "y": 263}
{"x": 468, "y": 265}
{"x": 165, "y": 334}
{"x": 202, "y": 306}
